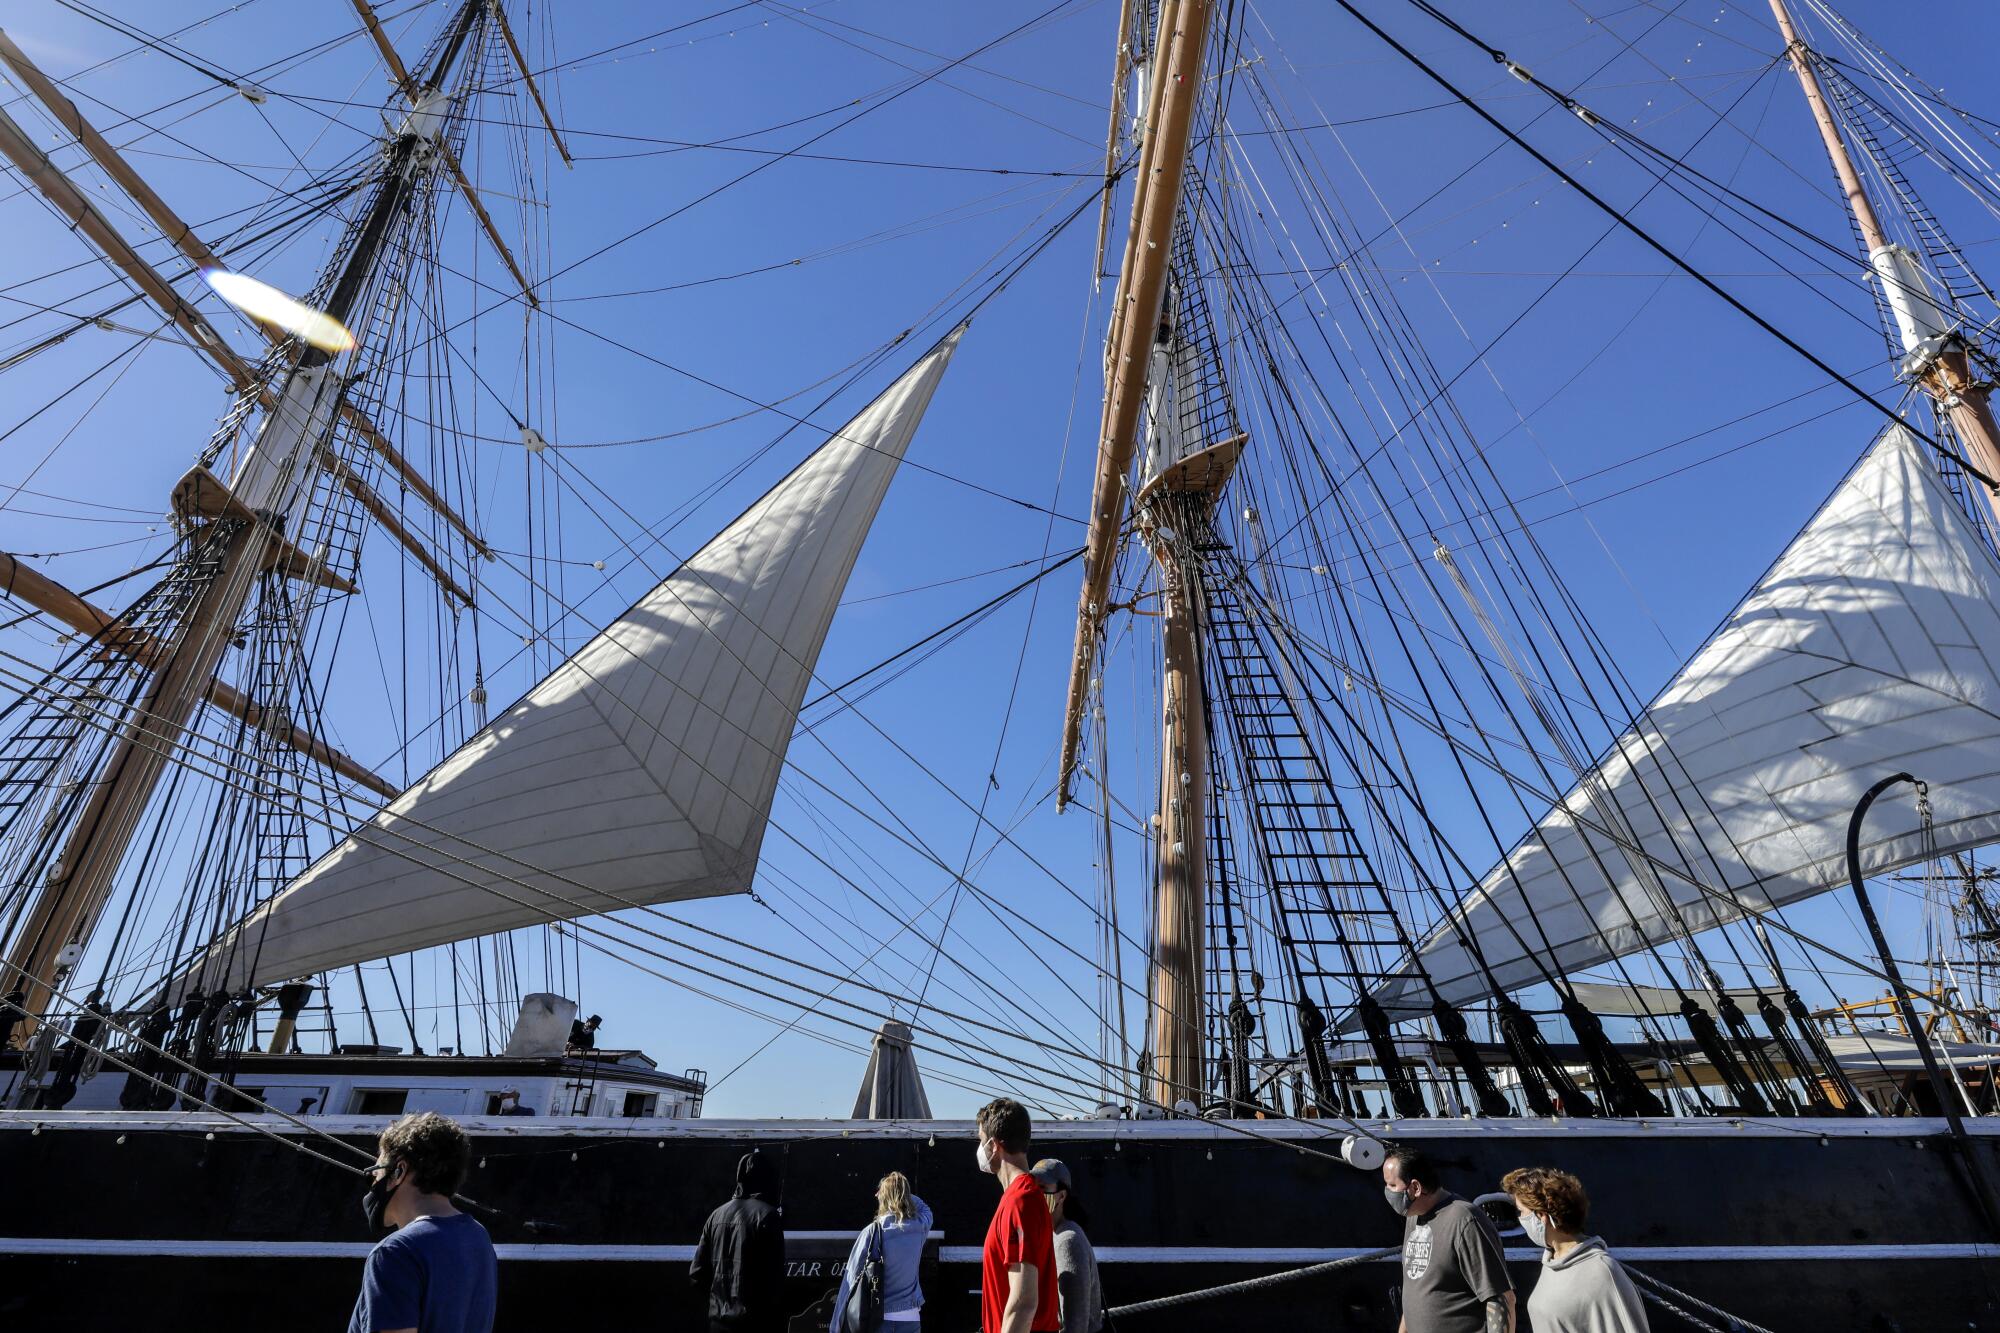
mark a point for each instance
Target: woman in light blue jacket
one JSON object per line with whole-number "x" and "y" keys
{"x": 905, "y": 1221}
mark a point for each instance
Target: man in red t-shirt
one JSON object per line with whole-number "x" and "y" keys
{"x": 1017, "y": 1290}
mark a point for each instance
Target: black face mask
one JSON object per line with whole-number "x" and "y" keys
{"x": 375, "y": 1203}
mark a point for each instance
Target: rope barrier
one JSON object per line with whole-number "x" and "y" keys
{"x": 1737, "y": 1323}
{"x": 1652, "y": 1289}
{"x": 1251, "y": 1284}
{"x": 1698, "y": 1322}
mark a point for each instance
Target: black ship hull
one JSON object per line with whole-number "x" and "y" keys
{"x": 191, "y": 1223}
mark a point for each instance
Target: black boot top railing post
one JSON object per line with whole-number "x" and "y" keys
{"x": 1974, "y": 1169}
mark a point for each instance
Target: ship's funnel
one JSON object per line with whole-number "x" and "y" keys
{"x": 892, "y": 1089}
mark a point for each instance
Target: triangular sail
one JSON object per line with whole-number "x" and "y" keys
{"x": 640, "y": 771}
{"x": 1871, "y": 647}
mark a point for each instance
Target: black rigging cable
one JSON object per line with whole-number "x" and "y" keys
{"x": 1888, "y": 412}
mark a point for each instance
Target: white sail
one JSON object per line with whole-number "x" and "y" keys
{"x": 1871, "y": 647}
{"x": 640, "y": 771}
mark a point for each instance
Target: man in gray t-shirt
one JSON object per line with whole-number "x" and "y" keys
{"x": 1454, "y": 1268}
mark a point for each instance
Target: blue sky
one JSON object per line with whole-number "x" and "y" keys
{"x": 779, "y": 282}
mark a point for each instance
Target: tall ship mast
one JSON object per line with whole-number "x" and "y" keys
{"x": 1411, "y": 785}
{"x": 243, "y": 554}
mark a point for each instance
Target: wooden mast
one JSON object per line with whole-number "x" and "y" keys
{"x": 1180, "y": 903}
{"x": 1936, "y": 356}
{"x": 1172, "y": 93}
{"x": 399, "y": 74}
{"x": 269, "y": 481}
{"x": 1174, "y": 508}
{"x": 65, "y": 195}
{"x": 1175, "y": 85}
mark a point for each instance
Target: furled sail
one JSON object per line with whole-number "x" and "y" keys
{"x": 1871, "y": 646}
{"x": 640, "y": 771}
{"x": 891, "y": 1087}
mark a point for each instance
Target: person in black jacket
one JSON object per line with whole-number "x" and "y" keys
{"x": 741, "y": 1258}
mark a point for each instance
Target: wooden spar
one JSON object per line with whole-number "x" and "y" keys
{"x": 373, "y": 437}
{"x": 527, "y": 77}
{"x": 1135, "y": 318}
{"x": 389, "y": 57}
{"x": 1181, "y": 497}
{"x": 1947, "y": 377}
{"x": 33, "y": 588}
{"x": 106, "y": 157}
{"x": 147, "y": 736}
{"x": 1121, "y": 70}
{"x": 81, "y": 875}
{"x": 486, "y": 223}
{"x": 85, "y": 216}
{"x": 190, "y": 245}
{"x": 379, "y": 510}
{"x": 1870, "y": 226}
{"x": 401, "y": 74}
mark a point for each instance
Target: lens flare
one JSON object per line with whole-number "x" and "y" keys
{"x": 268, "y": 305}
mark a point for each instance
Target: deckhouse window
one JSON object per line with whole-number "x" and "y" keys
{"x": 380, "y": 1101}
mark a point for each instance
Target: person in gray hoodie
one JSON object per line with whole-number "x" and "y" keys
{"x": 1582, "y": 1289}
{"x": 905, "y": 1222}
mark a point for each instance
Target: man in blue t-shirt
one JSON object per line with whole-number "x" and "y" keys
{"x": 437, "y": 1272}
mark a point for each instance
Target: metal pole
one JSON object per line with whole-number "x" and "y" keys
{"x": 1974, "y": 1171}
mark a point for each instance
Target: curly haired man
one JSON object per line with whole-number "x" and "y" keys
{"x": 436, "y": 1271}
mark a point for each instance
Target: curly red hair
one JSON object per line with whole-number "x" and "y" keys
{"x": 1556, "y": 1195}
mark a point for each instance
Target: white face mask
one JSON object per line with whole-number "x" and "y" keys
{"x": 1536, "y": 1228}
{"x": 985, "y": 1155}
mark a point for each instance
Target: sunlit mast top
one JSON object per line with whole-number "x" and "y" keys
{"x": 1934, "y": 344}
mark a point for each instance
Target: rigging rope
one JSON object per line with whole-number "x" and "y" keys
{"x": 1251, "y": 1284}
{"x": 1888, "y": 412}
{"x": 1736, "y": 1322}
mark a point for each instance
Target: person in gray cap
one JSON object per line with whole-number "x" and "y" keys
{"x": 1076, "y": 1262}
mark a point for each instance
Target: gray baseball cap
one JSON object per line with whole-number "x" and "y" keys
{"x": 1050, "y": 1174}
